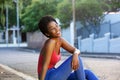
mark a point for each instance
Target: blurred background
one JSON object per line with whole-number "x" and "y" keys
{"x": 93, "y": 26}
{"x": 90, "y": 24}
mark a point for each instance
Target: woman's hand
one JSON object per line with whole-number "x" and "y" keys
{"x": 75, "y": 62}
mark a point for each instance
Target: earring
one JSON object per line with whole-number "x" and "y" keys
{"x": 47, "y": 34}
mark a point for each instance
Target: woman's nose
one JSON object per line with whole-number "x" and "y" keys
{"x": 59, "y": 28}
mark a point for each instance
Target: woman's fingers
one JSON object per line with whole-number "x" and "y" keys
{"x": 75, "y": 66}
{"x": 75, "y": 62}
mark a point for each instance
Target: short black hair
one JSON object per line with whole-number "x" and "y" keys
{"x": 43, "y": 23}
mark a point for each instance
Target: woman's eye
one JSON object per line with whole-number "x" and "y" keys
{"x": 57, "y": 25}
{"x": 52, "y": 29}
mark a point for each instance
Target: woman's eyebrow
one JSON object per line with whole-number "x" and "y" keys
{"x": 50, "y": 27}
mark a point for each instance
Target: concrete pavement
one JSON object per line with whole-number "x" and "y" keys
{"x": 22, "y": 63}
{"x": 7, "y": 75}
{"x": 25, "y": 61}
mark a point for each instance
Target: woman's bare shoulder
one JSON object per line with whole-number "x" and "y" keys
{"x": 62, "y": 40}
{"x": 49, "y": 42}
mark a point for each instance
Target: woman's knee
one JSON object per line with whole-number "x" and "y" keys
{"x": 88, "y": 71}
{"x": 90, "y": 75}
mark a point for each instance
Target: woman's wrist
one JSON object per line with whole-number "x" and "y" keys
{"x": 77, "y": 51}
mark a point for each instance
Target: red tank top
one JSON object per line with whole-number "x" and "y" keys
{"x": 54, "y": 59}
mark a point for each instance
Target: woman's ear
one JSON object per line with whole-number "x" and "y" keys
{"x": 47, "y": 34}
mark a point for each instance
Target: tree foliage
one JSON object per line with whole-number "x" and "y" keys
{"x": 35, "y": 11}
{"x": 114, "y": 4}
{"x": 3, "y": 5}
{"x": 11, "y": 5}
{"x": 90, "y": 13}
{"x": 64, "y": 12}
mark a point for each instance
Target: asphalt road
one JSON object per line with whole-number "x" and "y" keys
{"x": 26, "y": 62}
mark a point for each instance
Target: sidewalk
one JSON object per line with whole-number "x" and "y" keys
{"x": 7, "y": 75}
{"x": 25, "y": 61}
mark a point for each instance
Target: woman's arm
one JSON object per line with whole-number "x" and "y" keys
{"x": 65, "y": 45}
{"x": 69, "y": 47}
{"x": 72, "y": 50}
{"x": 49, "y": 46}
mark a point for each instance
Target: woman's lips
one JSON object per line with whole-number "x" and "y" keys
{"x": 59, "y": 33}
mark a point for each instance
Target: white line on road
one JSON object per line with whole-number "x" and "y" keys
{"x": 24, "y": 76}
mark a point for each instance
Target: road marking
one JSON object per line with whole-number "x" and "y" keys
{"x": 24, "y": 76}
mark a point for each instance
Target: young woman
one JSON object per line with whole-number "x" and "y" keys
{"x": 72, "y": 68}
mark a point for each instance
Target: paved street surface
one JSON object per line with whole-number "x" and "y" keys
{"x": 26, "y": 62}
{"x": 6, "y": 75}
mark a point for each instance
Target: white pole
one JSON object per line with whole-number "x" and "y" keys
{"x": 7, "y": 25}
{"x": 72, "y": 33}
{"x": 14, "y": 37}
{"x": 73, "y": 7}
{"x": 17, "y": 9}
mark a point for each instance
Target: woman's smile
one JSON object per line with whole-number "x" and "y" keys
{"x": 54, "y": 30}
{"x": 59, "y": 33}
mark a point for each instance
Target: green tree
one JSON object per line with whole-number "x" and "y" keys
{"x": 35, "y": 11}
{"x": 12, "y": 12}
{"x": 3, "y": 5}
{"x": 90, "y": 13}
{"x": 114, "y": 4}
{"x": 11, "y": 5}
{"x": 64, "y": 12}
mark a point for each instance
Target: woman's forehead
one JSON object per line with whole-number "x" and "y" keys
{"x": 51, "y": 24}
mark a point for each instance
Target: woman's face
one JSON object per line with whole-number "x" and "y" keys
{"x": 54, "y": 30}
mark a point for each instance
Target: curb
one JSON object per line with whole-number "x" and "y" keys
{"x": 83, "y": 54}
{"x": 29, "y": 50}
{"x": 102, "y": 56}
{"x": 20, "y": 74}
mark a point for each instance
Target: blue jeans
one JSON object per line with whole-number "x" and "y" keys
{"x": 64, "y": 72}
